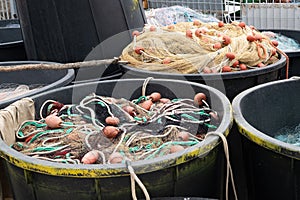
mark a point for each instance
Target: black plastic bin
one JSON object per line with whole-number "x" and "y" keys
{"x": 66, "y": 31}
{"x": 230, "y": 83}
{"x": 198, "y": 172}
{"x": 294, "y": 55}
{"x": 11, "y": 41}
{"x": 48, "y": 78}
{"x": 272, "y": 167}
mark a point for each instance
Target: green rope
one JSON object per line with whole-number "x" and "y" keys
{"x": 126, "y": 137}
{"x": 44, "y": 133}
{"x": 69, "y": 111}
{"x": 189, "y": 117}
{"x": 68, "y": 155}
{"x": 175, "y": 100}
{"x": 202, "y": 112}
{"x": 36, "y": 124}
{"x": 143, "y": 119}
{"x": 159, "y": 120}
{"x": 19, "y": 144}
{"x": 100, "y": 103}
{"x": 68, "y": 131}
{"x": 49, "y": 108}
{"x": 141, "y": 98}
{"x": 122, "y": 152}
{"x": 58, "y": 156}
{"x": 39, "y": 149}
{"x": 185, "y": 143}
{"x": 134, "y": 149}
{"x": 210, "y": 125}
{"x": 149, "y": 146}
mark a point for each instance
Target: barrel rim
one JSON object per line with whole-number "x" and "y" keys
{"x": 69, "y": 75}
{"x": 109, "y": 170}
{"x": 214, "y": 76}
{"x": 13, "y": 43}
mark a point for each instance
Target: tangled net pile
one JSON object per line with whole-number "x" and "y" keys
{"x": 108, "y": 130}
{"x": 11, "y": 90}
{"x": 198, "y": 47}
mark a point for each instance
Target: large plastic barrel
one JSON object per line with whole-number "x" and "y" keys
{"x": 294, "y": 55}
{"x": 197, "y": 172}
{"x": 271, "y": 166}
{"x": 230, "y": 83}
{"x": 11, "y": 41}
{"x": 66, "y": 31}
{"x": 48, "y": 79}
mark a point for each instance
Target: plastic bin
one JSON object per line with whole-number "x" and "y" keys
{"x": 196, "y": 172}
{"x": 271, "y": 166}
{"x": 10, "y": 23}
{"x": 69, "y": 31}
{"x": 48, "y": 78}
{"x": 66, "y": 31}
{"x": 230, "y": 83}
{"x": 294, "y": 55}
{"x": 5, "y": 188}
{"x": 11, "y": 41}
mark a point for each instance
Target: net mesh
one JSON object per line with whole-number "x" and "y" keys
{"x": 188, "y": 48}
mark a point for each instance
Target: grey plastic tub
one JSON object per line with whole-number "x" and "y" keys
{"x": 50, "y": 79}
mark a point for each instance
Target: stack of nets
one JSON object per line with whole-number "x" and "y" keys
{"x": 108, "y": 130}
{"x": 198, "y": 47}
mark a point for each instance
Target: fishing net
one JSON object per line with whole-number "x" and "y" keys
{"x": 173, "y": 14}
{"x": 135, "y": 131}
{"x": 198, "y": 47}
{"x": 11, "y": 90}
{"x": 289, "y": 134}
{"x": 285, "y": 43}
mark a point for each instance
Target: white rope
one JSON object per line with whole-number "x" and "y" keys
{"x": 43, "y": 105}
{"x": 133, "y": 179}
{"x": 145, "y": 85}
{"x": 295, "y": 77}
{"x": 229, "y": 169}
{"x": 121, "y": 140}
